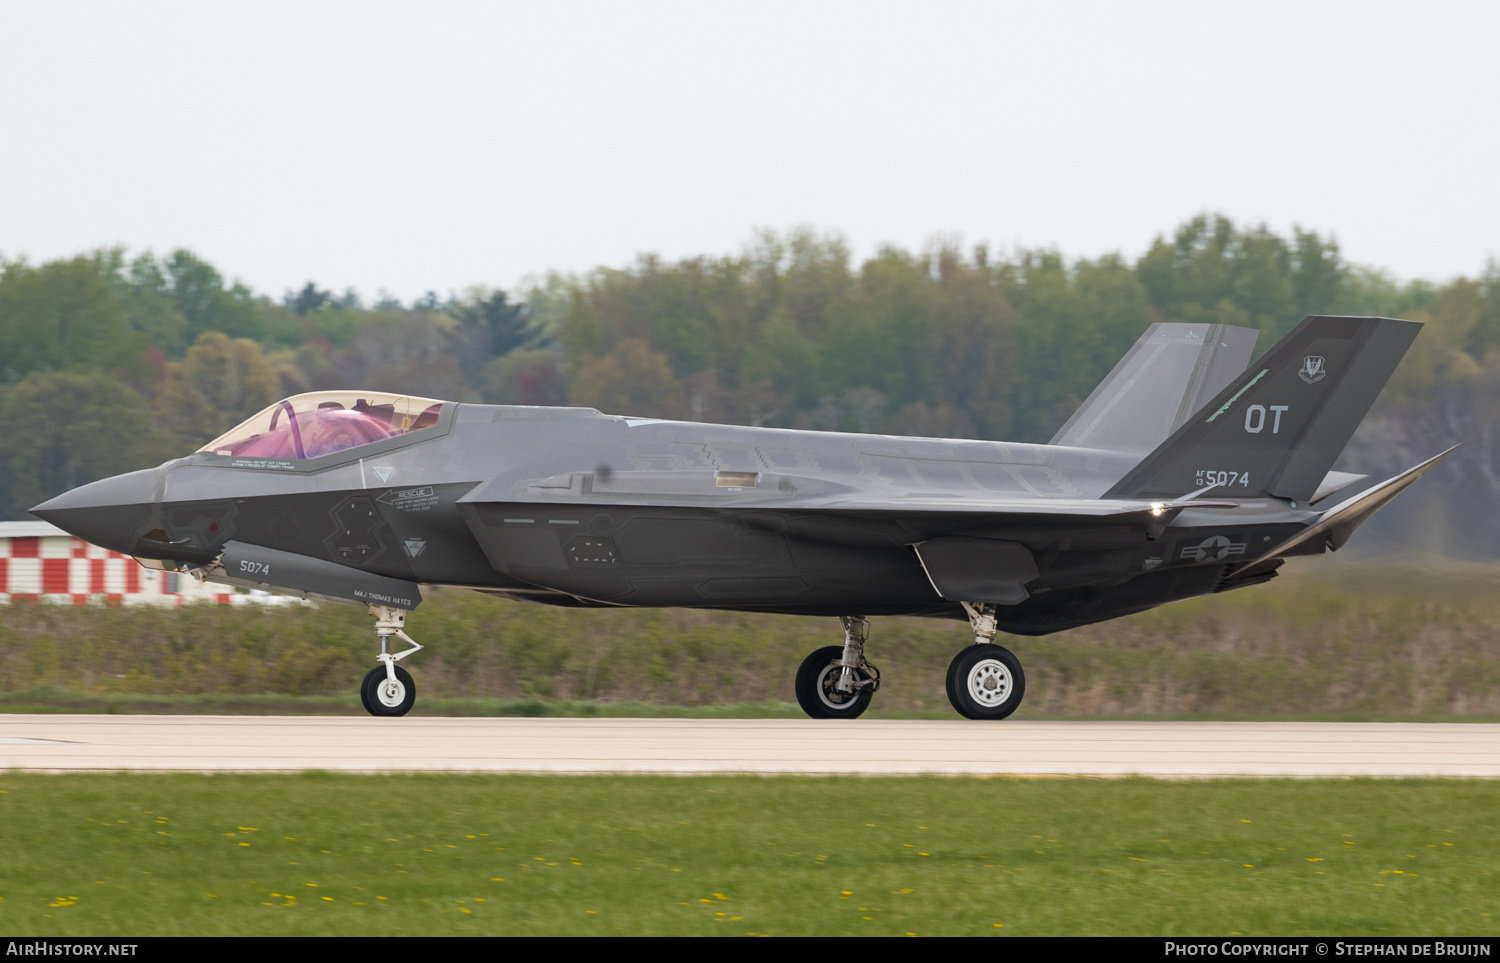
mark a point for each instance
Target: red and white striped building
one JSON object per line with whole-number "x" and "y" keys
{"x": 41, "y": 562}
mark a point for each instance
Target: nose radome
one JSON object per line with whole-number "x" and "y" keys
{"x": 109, "y": 513}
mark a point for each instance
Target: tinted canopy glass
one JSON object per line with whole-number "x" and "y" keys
{"x": 324, "y": 422}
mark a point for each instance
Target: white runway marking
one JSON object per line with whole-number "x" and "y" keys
{"x": 873, "y": 746}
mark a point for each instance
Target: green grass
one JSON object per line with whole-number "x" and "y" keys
{"x": 143, "y": 854}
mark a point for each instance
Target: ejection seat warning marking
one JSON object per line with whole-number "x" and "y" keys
{"x": 261, "y": 463}
{"x": 409, "y": 499}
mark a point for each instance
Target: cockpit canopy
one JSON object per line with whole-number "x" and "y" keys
{"x": 324, "y": 422}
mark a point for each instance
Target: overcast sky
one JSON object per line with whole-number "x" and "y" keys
{"x": 434, "y": 146}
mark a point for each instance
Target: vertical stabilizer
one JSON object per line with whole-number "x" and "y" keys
{"x": 1277, "y": 429}
{"x": 1166, "y": 376}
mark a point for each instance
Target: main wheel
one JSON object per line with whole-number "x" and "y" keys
{"x": 986, "y": 682}
{"x": 817, "y": 687}
{"x": 385, "y": 698}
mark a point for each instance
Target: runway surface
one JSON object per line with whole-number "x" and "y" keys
{"x": 872, "y": 746}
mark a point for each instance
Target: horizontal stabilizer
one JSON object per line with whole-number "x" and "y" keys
{"x": 1278, "y": 428}
{"x": 1335, "y": 482}
{"x": 1166, "y": 376}
{"x": 1337, "y": 524}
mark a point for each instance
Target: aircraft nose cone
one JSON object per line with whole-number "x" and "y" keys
{"x": 111, "y": 513}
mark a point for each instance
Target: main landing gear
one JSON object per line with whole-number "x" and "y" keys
{"x": 388, "y": 689}
{"x": 837, "y": 682}
{"x": 985, "y": 680}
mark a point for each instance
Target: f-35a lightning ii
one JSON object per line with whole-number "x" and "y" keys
{"x": 1185, "y": 473}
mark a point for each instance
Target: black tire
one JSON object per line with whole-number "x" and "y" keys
{"x": 986, "y": 682}
{"x": 364, "y": 688}
{"x": 815, "y": 692}
{"x": 379, "y": 703}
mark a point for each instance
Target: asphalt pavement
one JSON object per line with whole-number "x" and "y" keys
{"x": 870, "y": 746}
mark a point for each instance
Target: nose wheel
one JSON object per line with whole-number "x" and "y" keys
{"x": 383, "y": 696}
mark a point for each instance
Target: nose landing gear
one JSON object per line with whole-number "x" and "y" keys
{"x": 388, "y": 689}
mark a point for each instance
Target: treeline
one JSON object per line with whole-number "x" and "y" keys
{"x": 110, "y": 362}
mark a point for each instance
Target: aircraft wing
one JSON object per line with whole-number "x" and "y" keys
{"x": 789, "y": 493}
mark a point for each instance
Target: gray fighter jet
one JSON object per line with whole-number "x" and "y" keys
{"x": 1185, "y": 473}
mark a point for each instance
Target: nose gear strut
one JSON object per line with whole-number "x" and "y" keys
{"x": 388, "y": 689}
